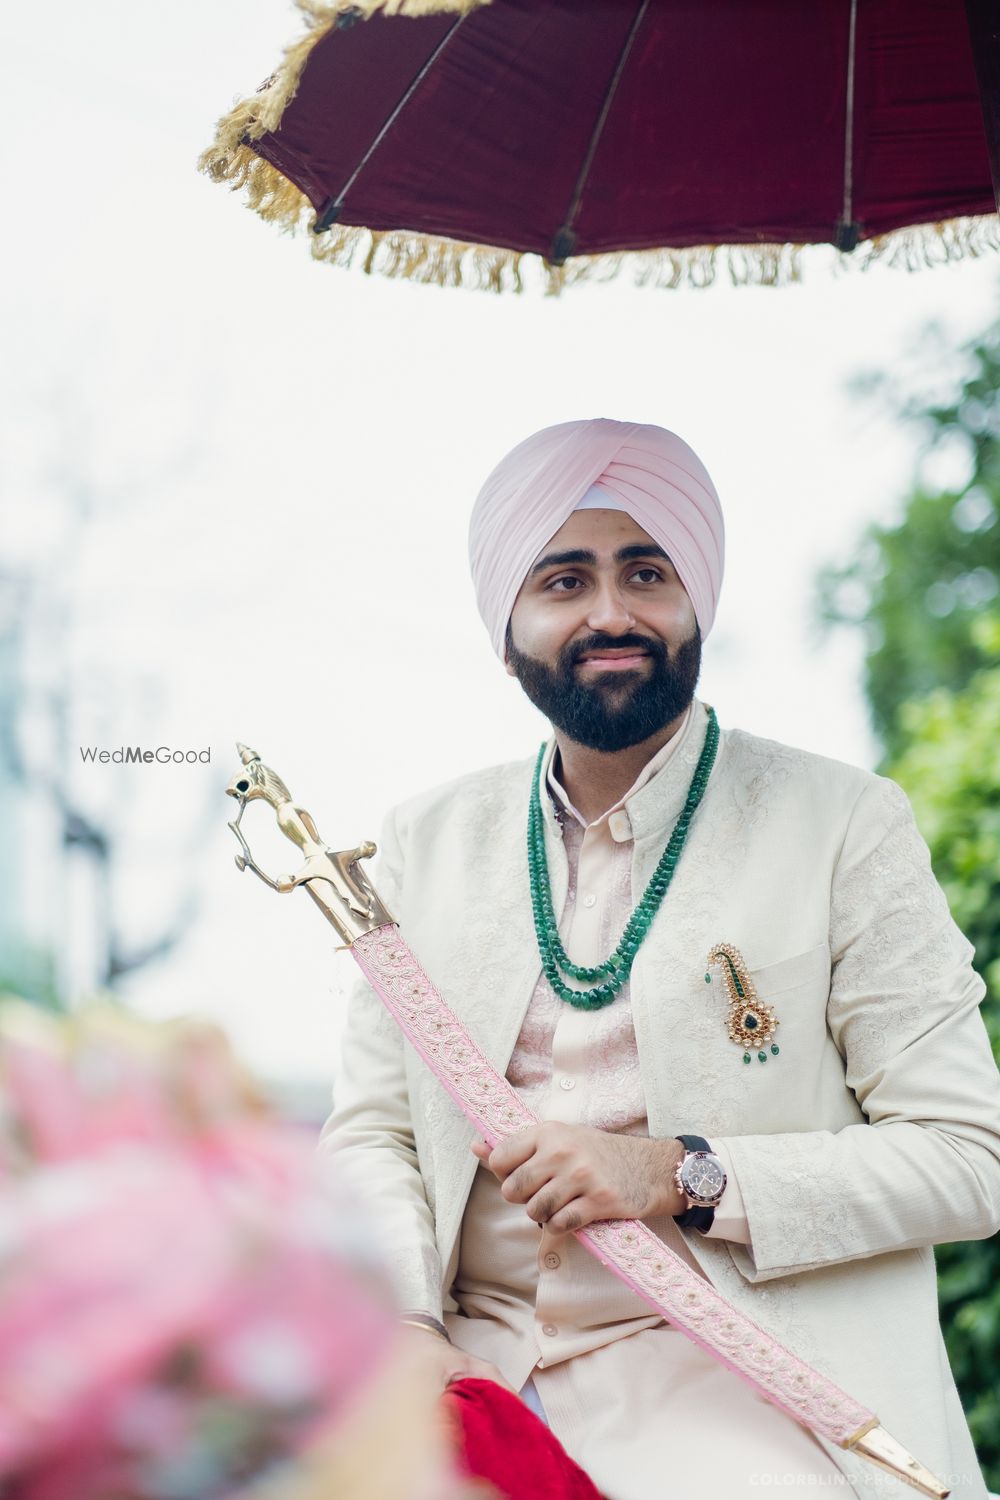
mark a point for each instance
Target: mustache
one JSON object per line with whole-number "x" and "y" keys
{"x": 577, "y": 650}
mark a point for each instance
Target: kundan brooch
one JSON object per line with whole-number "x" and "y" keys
{"x": 751, "y": 1023}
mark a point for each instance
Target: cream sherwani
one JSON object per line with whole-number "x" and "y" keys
{"x": 874, "y": 1134}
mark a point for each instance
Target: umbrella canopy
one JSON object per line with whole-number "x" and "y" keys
{"x": 445, "y": 139}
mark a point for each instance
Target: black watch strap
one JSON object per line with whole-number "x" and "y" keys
{"x": 700, "y": 1216}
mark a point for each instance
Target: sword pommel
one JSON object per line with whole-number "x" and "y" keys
{"x": 874, "y": 1443}
{"x": 332, "y": 877}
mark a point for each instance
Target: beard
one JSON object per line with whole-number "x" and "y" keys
{"x": 624, "y": 710}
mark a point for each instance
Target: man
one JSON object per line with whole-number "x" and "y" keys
{"x": 802, "y": 1129}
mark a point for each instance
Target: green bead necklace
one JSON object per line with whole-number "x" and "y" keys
{"x": 609, "y": 977}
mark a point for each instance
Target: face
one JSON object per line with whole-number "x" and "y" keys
{"x": 603, "y": 636}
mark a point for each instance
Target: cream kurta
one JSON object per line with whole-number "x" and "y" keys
{"x": 528, "y": 1298}
{"x": 581, "y": 1067}
{"x": 873, "y": 1136}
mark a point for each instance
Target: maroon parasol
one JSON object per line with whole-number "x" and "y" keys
{"x": 445, "y": 139}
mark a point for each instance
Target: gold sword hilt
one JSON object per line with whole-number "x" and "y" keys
{"x": 333, "y": 877}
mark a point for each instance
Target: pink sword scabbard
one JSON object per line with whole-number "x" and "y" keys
{"x": 637, "y": 1256}
{"x": 338, "y": 885}
{"x": 625, "y": 1246}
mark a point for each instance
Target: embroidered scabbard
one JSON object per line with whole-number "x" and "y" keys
{"x": 338, "y": 885}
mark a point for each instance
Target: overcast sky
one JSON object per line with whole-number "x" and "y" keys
{"x": 280, "y": 458}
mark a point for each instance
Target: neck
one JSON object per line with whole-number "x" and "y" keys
{"x": 595, "y": 780}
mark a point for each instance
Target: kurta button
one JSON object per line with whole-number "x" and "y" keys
{"x": 590, "y": 900}
{"x": 550, "y": 1330}
{"x": 552, "y": 1261}
{"x": 567, "y": 1083}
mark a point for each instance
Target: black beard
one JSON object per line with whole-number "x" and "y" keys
{"x": 623, "y": 711}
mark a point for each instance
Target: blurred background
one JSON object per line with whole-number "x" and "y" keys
{"x": 235, "y": 488}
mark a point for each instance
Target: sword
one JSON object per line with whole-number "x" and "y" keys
{"x": 343, "y": 892}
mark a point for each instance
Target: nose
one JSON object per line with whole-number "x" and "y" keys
{"x": 609, "y": 610}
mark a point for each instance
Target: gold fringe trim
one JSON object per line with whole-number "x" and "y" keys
{"x": 931, "y": 244}
{"x": 230, "y": 160}
{"x": 443, "y": 262}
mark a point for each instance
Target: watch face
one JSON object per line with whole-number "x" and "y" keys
{"x": 703, "y": 1177}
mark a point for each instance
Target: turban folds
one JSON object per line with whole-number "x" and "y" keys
{"x": 651, "y": 473}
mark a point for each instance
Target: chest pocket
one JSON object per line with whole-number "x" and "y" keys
{"x": 809, "y": 970}
{"x": 772, "y": 1002}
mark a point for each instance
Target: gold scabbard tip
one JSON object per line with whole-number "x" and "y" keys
{"x": 883, "y": 1449}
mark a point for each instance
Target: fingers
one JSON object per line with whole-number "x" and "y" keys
{"x": 529, "y": 1181}
{"x": 509, "y": 1153}
{"x": 561, "y": 1208}
{"x": 573, "y": 1216}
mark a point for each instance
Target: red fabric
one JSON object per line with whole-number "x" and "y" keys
{"x": 498, "y": 1439}
{"x": 728, "y": 124}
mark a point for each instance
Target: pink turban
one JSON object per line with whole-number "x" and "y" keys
{"x": 652, "y": 474}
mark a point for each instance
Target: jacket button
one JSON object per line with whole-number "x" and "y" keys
{"x": 550, "y": 1330}
{"x": 567, "y": 1083}
{"x": 552, "y": 1260}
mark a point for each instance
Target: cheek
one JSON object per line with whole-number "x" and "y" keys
{"x": 541, "y": 633}
{"x": 672, "y": 617}
{"x": 688, "y": 617}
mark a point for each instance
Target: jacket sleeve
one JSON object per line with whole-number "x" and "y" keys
{"x": 924, "y": 1167}
{"x": 368, "y": 1136}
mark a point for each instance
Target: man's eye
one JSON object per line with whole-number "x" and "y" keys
{"x": 556, "y": 584}
{"x": 648, "y": 575}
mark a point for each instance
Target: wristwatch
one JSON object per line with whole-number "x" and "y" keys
{"x": 701, "y": 1177}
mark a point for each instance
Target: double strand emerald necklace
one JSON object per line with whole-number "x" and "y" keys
{"x": 609, "y": 977}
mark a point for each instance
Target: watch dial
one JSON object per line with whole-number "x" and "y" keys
{"x": 703, "y": 1178}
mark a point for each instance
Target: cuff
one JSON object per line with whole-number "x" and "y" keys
{"x": 730, "y": 1222}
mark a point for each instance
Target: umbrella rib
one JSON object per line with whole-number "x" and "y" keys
{"x": 565, "y": 238}
{"x": 848, "y": 232}
{"x": 332, "y": 208}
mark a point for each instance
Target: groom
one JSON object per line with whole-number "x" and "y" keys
{"x": 801, "y": 1129}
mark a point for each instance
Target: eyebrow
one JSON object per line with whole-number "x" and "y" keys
{"x": 582, "y": 555}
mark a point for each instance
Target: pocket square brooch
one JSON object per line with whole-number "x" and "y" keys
{"x": 751, "y": 1023}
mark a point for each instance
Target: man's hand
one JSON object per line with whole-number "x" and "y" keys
{"x": 570, "y": 1175}
{"x": 441, "y": 1363}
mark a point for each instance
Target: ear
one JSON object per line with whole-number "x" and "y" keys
{"x": 508, "y": 640}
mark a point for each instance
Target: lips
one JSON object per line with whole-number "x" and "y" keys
{"x": 623, "y": 660}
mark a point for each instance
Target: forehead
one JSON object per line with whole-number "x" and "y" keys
{"x": 600, "y": 531}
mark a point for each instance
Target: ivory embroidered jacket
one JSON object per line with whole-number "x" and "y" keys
{"x": 875, "y": 1133}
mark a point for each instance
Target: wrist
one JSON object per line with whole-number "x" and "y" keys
{"x": 427, "y": 1324}
{"x": 667, "y": 1200}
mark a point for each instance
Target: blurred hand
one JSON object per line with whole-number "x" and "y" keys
{"x": 441, "y": 1363}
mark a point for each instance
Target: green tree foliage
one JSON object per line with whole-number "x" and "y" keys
{"x": 951, "y": 769}
{"x": 926, "y": 593}
{"x": 918, "y": 587}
